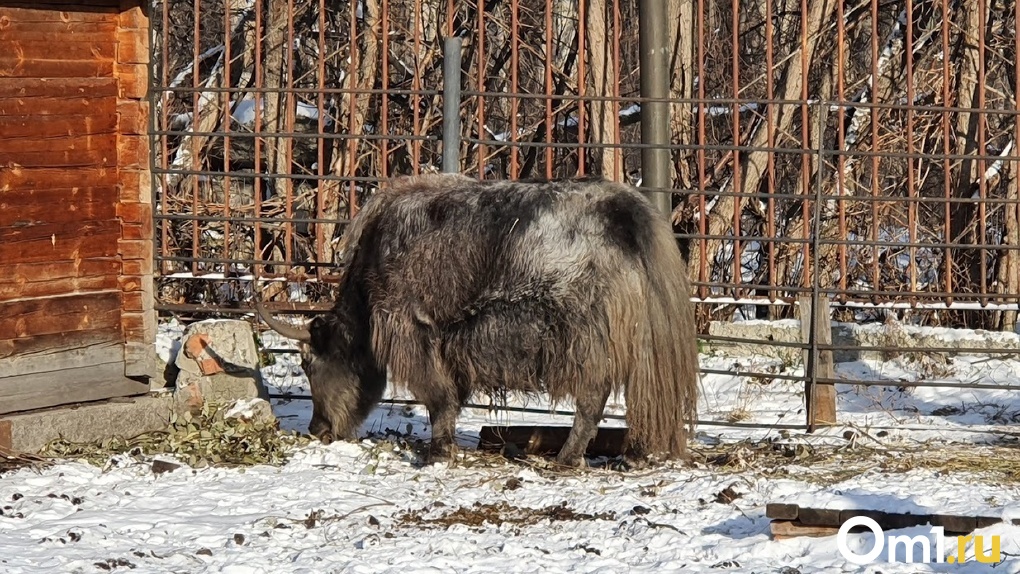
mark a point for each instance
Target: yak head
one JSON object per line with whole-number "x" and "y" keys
{"x": 344, "y": 381}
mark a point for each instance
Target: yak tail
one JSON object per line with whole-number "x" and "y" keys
{"x": 662, "y": 392}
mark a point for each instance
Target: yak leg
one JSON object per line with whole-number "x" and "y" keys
{"x": 589, "y": 410}
{"x": 443, "y": 402}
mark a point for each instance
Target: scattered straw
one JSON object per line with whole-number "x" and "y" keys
{"x": 205, "y": 439}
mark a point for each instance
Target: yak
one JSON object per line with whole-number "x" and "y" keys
{"x": 451, "y": 286}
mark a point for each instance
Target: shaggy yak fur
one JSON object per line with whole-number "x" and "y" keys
{"x": 453, "y": 286}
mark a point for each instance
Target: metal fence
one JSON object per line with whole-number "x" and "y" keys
{"x": 863, "y": 152}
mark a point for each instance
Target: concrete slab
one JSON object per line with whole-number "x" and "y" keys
{"x": 29, "y": 432}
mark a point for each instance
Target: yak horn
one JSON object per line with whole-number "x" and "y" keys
{"x": 289, "y": 331}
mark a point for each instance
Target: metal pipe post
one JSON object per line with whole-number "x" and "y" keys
{"x": 655, "y": 74}
{"x": 451, "y": 104}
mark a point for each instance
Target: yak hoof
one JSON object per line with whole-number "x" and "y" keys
{"x": 326, "y": 438}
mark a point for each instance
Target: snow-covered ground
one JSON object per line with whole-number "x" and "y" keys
{"x": 369, "y": 507}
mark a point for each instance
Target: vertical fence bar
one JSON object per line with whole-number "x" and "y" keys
{"x": 911, "y": 181}
{"x": 947, "y": 165}
{"x": 841, "y": 163}
{"x": 228, "y": 94}
{"x": 582, "y": 153}
{"x": 655, "y": 74}
{"x": 259, "y": 92}
{"x": 548, "y": 89}
{"x": 738, "y": 184}
{"x": 451, "y": 104}
{"x": 482, "y": 72}
{"x": 514, "y": 168}
{"x": 805, "y": 147}
{"x": 320, "y": 151}
{"x": 876, "y": 278}
{"x": 770, "y": 119}
{"x": 702, "y": 140}
{"x": 419, "y": 26}
{"x": 164, "y": 144}
{"x": 982, "y": 149}
{"x": 384, "y": 104}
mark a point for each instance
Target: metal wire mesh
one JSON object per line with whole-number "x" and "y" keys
{"x": 861, "y": 151}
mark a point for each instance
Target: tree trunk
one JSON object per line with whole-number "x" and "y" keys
{"x": 602, "y": 80}
{"x": 275, "y": 100}
{"x": 346, "y": 158}
{"x": 965, "y": 267}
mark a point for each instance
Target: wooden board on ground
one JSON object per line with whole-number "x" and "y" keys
{"x": 548, "y": 440}
{"x": 78, "y": 385}
{"x": 791, "y": 520}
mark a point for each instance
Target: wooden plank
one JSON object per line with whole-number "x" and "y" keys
{"x": 75, "y": 106}
{"x": 99, "y": 246}
{"x": 819, "y": 517}
{"x": 24, "y": 129}
{"x": 820, "y": 404}
{"x": 31, "y": 206}
{"x": 43, "y": 129}
{"x": 24, "y": 13}
{"x": 54, "y": 232}
{"x": 66, "y": 159}
{"x": 107, "y": 142}
{"x": 14, "y": 67}
{"x": 784, "y": 529}
{"x": 72, "y": 28}
{"x": 58, "y": 88}
{"x": 781, "y": 511}
{"x": 85, "y": 355}
{"x": 62, "y": 248}
{"x": 41, "y": 390}
{"x": 548, "y": 440}
{"x": 36, "y": 288}
{"x": 13, "y": 176}
{"x": 33, "y": 317}
{"x": 80, "y": 48}
{"x": 66, "y": 340}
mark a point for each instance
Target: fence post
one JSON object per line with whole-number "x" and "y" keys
{"x": 451, "y": 104}
{"x": 655, "y": 80}
{"x": 816, "y": 329}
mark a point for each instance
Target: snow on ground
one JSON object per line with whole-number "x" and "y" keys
{"x": 370, "y": 507}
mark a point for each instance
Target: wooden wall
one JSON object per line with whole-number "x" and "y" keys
{"x": 76, "y": 319}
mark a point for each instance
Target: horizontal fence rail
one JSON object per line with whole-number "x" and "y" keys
{"x": 861, "y": 154}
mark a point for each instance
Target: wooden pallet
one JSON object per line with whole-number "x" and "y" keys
{"x": 792, "y": 520}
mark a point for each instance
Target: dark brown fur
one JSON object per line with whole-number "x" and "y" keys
{"x": 571, "y": 288}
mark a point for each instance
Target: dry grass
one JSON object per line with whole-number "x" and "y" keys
{"x": 831, "y": 464}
